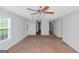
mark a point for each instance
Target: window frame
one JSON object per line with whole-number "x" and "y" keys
{"x": 9, "y": 28}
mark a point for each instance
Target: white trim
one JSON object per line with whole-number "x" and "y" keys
{"x": 1, "y": 41}
{"x": 9, "y": 30}
{"x": 15, "y": 42}
{"x": 70, "y": 45}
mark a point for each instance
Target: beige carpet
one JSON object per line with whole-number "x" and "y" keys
{"x": 41, "y": 44}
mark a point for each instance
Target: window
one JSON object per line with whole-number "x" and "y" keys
{"x": 4, "y": 28}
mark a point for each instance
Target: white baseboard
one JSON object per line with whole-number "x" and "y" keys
{"x": 15, "y": 43}
{"x": 71, "y": 45}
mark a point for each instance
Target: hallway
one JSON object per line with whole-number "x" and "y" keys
{"x": 41, "y": 44}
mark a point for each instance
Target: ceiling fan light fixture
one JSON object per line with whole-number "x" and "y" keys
{"x": 41, "y": 10}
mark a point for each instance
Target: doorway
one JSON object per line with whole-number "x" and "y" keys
{"x": 38, "y": 27}
{"x": 50, "y": 28}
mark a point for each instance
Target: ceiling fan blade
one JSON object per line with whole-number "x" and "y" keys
{"x": 45, "y": 8}
{"x": 33, "y": 13}
{"x": 49, "y": 12}
{"x": 31, "y": 9}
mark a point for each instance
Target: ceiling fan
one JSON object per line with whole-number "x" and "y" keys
{"x": 41, "y": 10}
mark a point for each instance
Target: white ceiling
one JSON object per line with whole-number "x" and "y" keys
{"x": 59, "y": 11}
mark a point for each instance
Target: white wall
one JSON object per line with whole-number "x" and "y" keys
{"x": 44, "y": 27}
{"x": 68, "y": 28}
{"x": 26, "y": 27}
{"x": 17, "y": 30}
{"x": 57, "y": 27}
{"x": 71, "y": 29}
{"x": 32, "y": 28}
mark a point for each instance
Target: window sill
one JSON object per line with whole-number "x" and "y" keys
{"x": 4, "y": 40}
